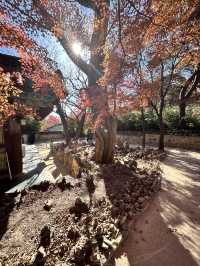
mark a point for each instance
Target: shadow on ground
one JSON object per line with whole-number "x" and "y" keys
{"x": 152, "y": 242}
{"x": 168, "y": 234}
{"x": 7, "y": 203}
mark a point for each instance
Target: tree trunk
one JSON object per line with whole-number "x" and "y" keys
{"x": 105, "y": 132}
{"x": 80, "y": 126}
{"x": 105, "y": 123}
{"x": 182, "y": 113}
{"x": 162, "y": 134}
{"x": 105, "y": 140}
{"x": 143, "y": 129}
{"x": 64, "y": 122}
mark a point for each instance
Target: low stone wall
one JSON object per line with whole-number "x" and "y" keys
{"x": 185, "y": 142}
{"x": 44, "y": 136}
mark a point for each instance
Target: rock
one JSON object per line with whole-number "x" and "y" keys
{"x": 94, "y": 223}
{"x": 71, "y": 163}
{"x": 63, "y": 185}
{"x": 48, "y": 205}
{"x": 116, "y": 242}
{"x": 81, "y": 252}
{"x": 40, "y": 258}
{"x": 43, "y": 186}
{"x": 107, "y": 243}
{"x": 141, "y": 199}
{"x": 42, "y": 251}
{"x": 73, "y": 233}
{"x": 18, "y": 200}
{"x": 45, "y": 236}
{"x": 24, "y": 192}
{"x": 123, "y": 220}
{"x": 90, "y": 184}
{"x": 79, "y": 208}
{"x": 133, "y": 164}
{"x": 80, "y": 174}
{"x": 126, "y": 145}
{"x": 95, "y": 259}
{"x": 136, "y": 205}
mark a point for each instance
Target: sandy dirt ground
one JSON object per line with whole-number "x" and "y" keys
{"x": 168, "y": 233}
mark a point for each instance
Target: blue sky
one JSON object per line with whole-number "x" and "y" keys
{"x": 9, "y": 51}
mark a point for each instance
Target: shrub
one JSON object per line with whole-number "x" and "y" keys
{"x": 32, "y": 126}
{"x": 133, "y": 122}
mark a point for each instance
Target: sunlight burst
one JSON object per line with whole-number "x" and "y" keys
{"x": 76, "y": 46}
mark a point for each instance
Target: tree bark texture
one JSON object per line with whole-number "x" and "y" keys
{"x": 64, "y": 122}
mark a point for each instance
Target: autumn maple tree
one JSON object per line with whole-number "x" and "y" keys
{"x": 8, "y": 89}
{"x": 162, "y": 35}
{"x": 35, "y": 66}
{"x": 66, "y": 21}
{"x": 160, "y": 39}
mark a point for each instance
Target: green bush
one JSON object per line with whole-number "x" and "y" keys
{"x": 32, "y": 126}
{"x": 193, "y": 118}
{"x": 171, "y": 118}
{"x": 151, "y": 121}
{"x": 133, "y": 122}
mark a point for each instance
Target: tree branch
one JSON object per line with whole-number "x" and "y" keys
{"x": 154, "y": 107}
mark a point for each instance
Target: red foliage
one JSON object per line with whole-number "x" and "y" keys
{"x": 34, "y": 60}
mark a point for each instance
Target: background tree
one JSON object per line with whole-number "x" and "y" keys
{"x": 66, "y": 21}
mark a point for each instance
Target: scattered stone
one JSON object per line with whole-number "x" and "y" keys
{"x": 71, "y": 162}
{"x": 18, "y": 200}
{"x": 73, "y": 233}
{"x": 45, "y": 236}
{"x": 40, "y": 258}
{"x": 126, "y": 145}
{"x": 87, "y": 234}
{"x": 90, "y": 184}
{"x": 81, "y": 252}
{"x": 123, "y": 220}
{"x": 141, "y": 199}
{"x": 63, "y": 185}
{"x": 42, "y": 186}
{"x": 48, "y": 205}
{"x": 79, "y": 208}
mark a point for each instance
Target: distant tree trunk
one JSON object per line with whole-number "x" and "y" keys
{"x": 64, "y": 121}
{"x": 161, "y": 145}
{"x": 159, "y": 113}
{"x": 143, "y": 129}
{"x": 162, "y": 135}
{"x": 81, "y": 126}
{"x": 185, "y": 94}
{"x": 182, "y": 113}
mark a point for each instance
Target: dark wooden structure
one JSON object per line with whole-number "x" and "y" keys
{"x": 3, "y": 160}
{"x": 11, "y": 133}
{"x": 11, "y": 149}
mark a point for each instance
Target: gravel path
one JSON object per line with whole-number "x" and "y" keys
{"x": 168, "y": 233}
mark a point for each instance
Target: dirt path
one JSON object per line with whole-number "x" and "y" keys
{"x": 168, "y": 233}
